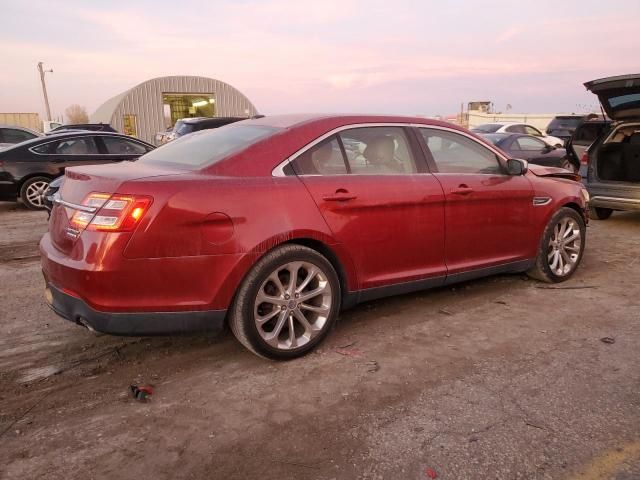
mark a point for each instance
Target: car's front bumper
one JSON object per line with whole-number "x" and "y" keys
{"x": 77, "y": 311}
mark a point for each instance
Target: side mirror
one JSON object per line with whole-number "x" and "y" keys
{"x": 516, "y": 166}
{"x": 548, "y": 148}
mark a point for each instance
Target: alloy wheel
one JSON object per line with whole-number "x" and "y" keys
{"x": 293, "y": 305}
{"x": 35, "y": 193}
{"x": 564, "y": 247}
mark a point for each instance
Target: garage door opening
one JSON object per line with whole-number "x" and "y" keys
{"x": 187, "y": 105}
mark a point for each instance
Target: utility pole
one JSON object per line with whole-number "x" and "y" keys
{"x": 44, "y": 89}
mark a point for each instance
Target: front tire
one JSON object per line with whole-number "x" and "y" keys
{"x": 287, "y": 304}
{"x": 32, "y": 192}
{"x": 600, "y": 213}
{"x": 561, "y": 247}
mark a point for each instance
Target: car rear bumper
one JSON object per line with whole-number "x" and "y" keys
{"x": 76, "y": 310}
{"x": 615, "y": 203}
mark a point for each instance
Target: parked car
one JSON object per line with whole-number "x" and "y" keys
{"x": 92, "y": 127}
{"x": 582, "y": 138}
{"x": 185, "y": 126}
{"x": 513, "y": 127}
{"x": 613, "y": 159}
{"x": 563, "y": 126}
{"x": 273, "y": 225}
{"x": 11, "y": 134}
{"x": 27, "y": 168}
{"x": 532, "y": 149}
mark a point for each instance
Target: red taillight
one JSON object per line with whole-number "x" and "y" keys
{"x": 584, "y": 159}
{"x": 115, "y": 213}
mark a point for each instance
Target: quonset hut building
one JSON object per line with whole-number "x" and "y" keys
{"x": 155, "y": 105}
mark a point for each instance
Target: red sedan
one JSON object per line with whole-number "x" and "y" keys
{"x": 276, "y": 224}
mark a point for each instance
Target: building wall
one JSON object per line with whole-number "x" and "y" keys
{"x": 27, "y": 120}
{"x": 538, "y": 120}
{"x": 145, "y": 102}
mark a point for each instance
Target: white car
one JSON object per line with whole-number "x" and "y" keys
{"x": 514, "y": 127}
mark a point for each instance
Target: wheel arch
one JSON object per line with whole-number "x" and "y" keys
{"x": 336, "y": 256}
{"x": 577, "y": 208}
{"x": 29, "y": 176}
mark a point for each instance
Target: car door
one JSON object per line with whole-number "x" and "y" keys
{"x": 487, "y": 211}
{"x": 533, "y": 150}
{"x": 70, "y": 152}
{"x": 118, "y": 149}
{"x": 379, "y": 202}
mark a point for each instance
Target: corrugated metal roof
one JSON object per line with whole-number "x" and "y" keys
{"x": 144, "y": 101}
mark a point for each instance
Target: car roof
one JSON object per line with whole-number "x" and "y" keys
{"x": 290, "y": 121}
{"x": 17, "y": 127}
{"x": 76, "y": 133}
{"x": 208, "y": 119}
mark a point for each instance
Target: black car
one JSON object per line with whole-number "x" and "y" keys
{"x": 613, "y": 159}
{"x": 92, "y": 127}
{"x": 27, "y": 168}
{"x": 563, "y": 126}
{"x": 10, "y": 134}
{"x": 532, "y": 149}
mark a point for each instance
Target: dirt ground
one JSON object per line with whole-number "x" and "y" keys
{"x": 501, "y": 378}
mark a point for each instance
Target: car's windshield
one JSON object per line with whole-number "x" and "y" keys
{"x": 182, "y": 128}
{"x": 208, "y": 146}
{"x": 487, "y": 128}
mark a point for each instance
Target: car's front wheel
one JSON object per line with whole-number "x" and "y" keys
{"x": 32, "y": 192}
{"x": 287, "y": 304}
{"x": 561, "y": 247}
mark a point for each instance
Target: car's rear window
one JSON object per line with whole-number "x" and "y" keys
{"x": 208, "y": 146}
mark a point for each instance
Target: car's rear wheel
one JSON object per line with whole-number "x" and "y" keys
{"x": 32, "y": 192}
{"x": 287, "y": 304}
{"x": 561, "y": 247}
{"x": 600, "y": 213}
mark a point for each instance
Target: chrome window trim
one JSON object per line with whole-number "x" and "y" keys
{"x": 31, "y": 149}
{"x": 278, "y": 171}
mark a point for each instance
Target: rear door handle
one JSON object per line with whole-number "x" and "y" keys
{"x": 341, "y": 195}
{"x": 462, "y": 190}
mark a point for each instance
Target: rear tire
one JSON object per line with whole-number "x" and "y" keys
{"x": 561, "y": 247}
{"x": 287, "y": 304}
{"x": 32, "y": 192}
{"x": 600, "y": 213}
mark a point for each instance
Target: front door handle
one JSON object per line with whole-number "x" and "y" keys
{"x": 462, "y": 190}
{"x": 341, "y": 195}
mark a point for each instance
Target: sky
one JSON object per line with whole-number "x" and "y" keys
{"x": 396, "y": 56}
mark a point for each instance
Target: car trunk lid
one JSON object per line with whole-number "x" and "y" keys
{"x": 619, "y": 96}
{"x": 79, "y": 183}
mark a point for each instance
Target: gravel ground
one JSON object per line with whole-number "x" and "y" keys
{"x": 501, "y": 378}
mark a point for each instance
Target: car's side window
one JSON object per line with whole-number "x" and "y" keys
{"x": 529, "y": 144}
{"x": 325, "y": 158}
{"x": 455, "y": 153}
{"x": 529, "y": 130}
{"x": 122, "y": 146}
{"x": 378, "y": 151}
{"x": 75, "y": 146}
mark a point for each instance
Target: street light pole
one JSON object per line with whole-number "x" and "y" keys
{"x": 44, "y": 89}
